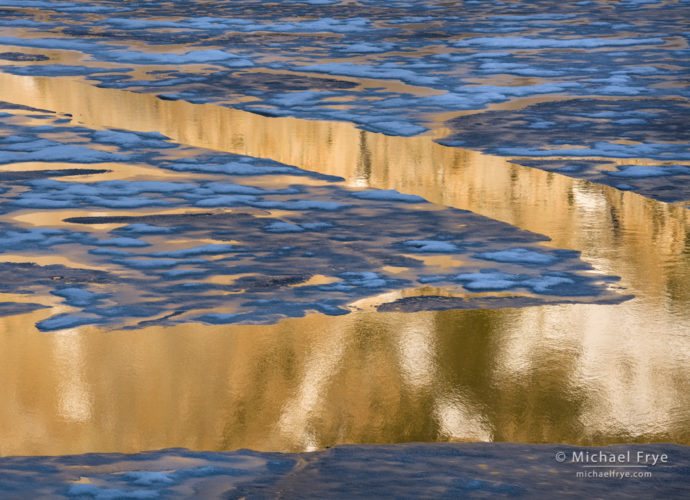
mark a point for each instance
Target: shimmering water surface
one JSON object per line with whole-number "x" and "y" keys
{"x": 191, "y": 275}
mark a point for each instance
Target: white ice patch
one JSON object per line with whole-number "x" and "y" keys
{"x": 283, "y": 227}
{"x": 518, "y": 255}
{"x": 210, "y": 249}
{"x": 192, "y": 57}
{"x": 515, "y": 42}
{"x": 641, "y": 171}
{"x": 431, "y": 246}
{"x": 388, "y": 195}
{"x": 64, "y": 153}
{"x": 132, "y": 140}
{"x": 488, "y": 281}
{"x": 382, "y": 72}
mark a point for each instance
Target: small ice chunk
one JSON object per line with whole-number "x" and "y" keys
{"x": 488, "y": 281}
{"x": 77, "y": 297}
{"x": 147, "y": 478}
{"x": 518, "y": 255}
{"x": 219, "y": 318}
{"x": 642, "y": 171}
{"x": 62, "y": 321}
{"x": 431, "y": 246}
{"x": 543, "y": 284}
{"x": 122, "y": 242}
{"x": 146, "y": 229}
{"x": 210, "y": 249}
{"x": 283, "y": 227}
{"x": 388, "y": 195}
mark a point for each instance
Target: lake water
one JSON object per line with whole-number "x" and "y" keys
{"x": 290, "y": 230}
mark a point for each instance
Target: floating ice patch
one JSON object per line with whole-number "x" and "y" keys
{"x": 300, "y": 205}
{"x": 246, "y": 169}
{"x": 395, "y": 127}
{"x": 363, "y": 47}
{"x": 210, "y": 249}
{"x": 518, "y": 255}
{"x": 641, "y": 171}
{"x": 546, "y": 284}
{"x": 283, "y": 227}
{"x": 59, "y": 70}
{"x": 325, "y": 24}
{"x": 146, "y": 478}
{"x": 131, "y": 139}
{"x": 220, "y": 318}
{"x": 514, "y": 42}
{"x": 388, "y": 195}
{"x": 431, "y": 246}
{"x": 192, "y": 57}
{"x": 63, "y": 153}
{"x": 122, "y": 242}
{"x": 364, "y": 71}
{"x": 101, "y": 493}
{"x": 63, "y": 321}
{"x": 485, "y": 281}
{"x": 150, "y": 263}
{"x": 226, "y": 201}
{"x": 145, "y": 229}
{"x": 77, "y": 297}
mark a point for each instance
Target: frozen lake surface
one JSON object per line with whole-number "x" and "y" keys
{"x": 297, "y": 225}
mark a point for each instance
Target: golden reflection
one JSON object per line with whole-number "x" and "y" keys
{"x": 583, "y": 374}
{"x": 365, "y": 377}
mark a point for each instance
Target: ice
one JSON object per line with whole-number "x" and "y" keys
{"x": 397, "y": 127}
{"x": 246, "y": 169}
{"x": 605, "y": 149}
{"x": 301, "y": 205}
{"x": 229, "y": 188}
{"x": 516, "y": 69}
{"x": 532, "y": 17}
{"x": 388, "y": 195}
{"x": 641, "y": 171}
{"x": 192, "y": 57}
{"x": 64, "y": 153}
{"x": 364, "y": 279}
{"x": 122, "y": 242}
{"x": 149, "y": 263}
{"x": 100, "y": 493}
{"x": 544, "y": 284}
{"x": 60, "y": 70}
{"x": 283, "y": 227}
{"x": 431, "y": 246}
{"x": 515, "y": 42}
{"x": 146, "y": 478}
{"x": 50, "y": 43}
{"x": 325, "y": 24}
{"x": 76, "y": 296}
{"x": 488, "y": 281}
{"x": 35, "y": 238}
{"x": 364, "y": 47}
{"x": 302, "y": 98}
{"x": 131, "y": 139}
{"x": 518, "y": 255}
{"x": 219, "y": 318}
{"x": 27, "y": 146}
{"x": 110, "y": 251}
{"x": 145, "y": 229}
{"x": 210, "y": 249}
{"x": 63, "y": 321}
{"x": 226, "y": 201}
{"x": 366, "y": 71}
